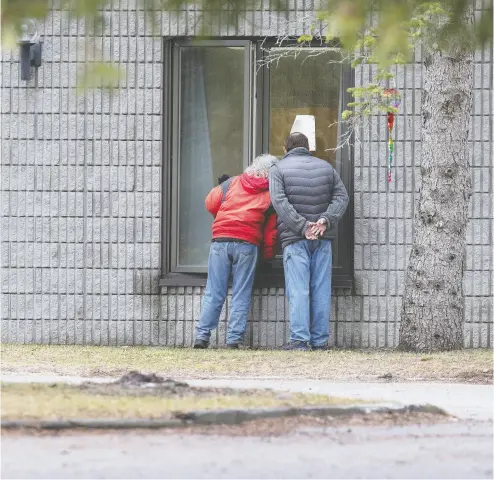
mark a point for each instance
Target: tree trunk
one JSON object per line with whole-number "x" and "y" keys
{"x": 432, "y": 316}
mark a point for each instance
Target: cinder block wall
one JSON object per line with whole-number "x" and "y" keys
{"x": 81, "y": 193}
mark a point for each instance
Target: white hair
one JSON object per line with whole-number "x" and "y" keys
{"x": 261, "y": 165}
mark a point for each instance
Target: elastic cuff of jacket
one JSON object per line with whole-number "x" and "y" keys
{"x": 328, "y": 219}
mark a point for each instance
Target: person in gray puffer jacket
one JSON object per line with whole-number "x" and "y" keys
{"x": 309, "y": 198}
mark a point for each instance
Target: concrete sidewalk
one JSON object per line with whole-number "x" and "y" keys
{"x": 469, "y": 402}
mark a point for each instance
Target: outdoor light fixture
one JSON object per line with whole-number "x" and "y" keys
{"x": 30, "y": 48}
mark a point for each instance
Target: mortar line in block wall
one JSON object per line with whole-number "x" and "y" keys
{"x": 396, "y": 296}
{"x": 489, "y": 228}
{"x": 480, "y": 200}
{"x": 14, "y": 191}
{"x": 379, "y": 180}
{"x": 414, "y": 134}
{"x": 166, "y": 296}
{"x": 7, "y": 233}
{"x": 269, "y": 299}
{"x": 145, "y": 194}
{"x": 68, "y": 300}
{"x": 123, "y": 92}
{"x": 263, "y": 301}
{"x": 405, "y": 118}
{"x": 471, "y": 207}
{"x": 138, "y": 167}
{"x": 151, "y": 187}
{"x": 22, "y": 94}
{"x": 77, "y": 137}
{"x": 39, "y": 112}
{"x": 360, "y": 219}
{"x": 387, "y": 187}
{"x": 175, "y": 316}
{"x": 39, "y": 225}
{"x": 71, "y": 97}
{"x": 15, "y": 185}
{"x": 277, "y": 318}
{"x": 159, "y": 292}
{"x": 116, "y": 117}
{"x": 399, "y": 217}
{"x": 490, "y": 304}
{"x": 193, "y": 313}
{"x": 132, "y": 87}
{"x": 60, "y": 195}
{"x": 488, "y": 173}
{"x": 133, "y": 195}
{"x": 286, "y": 324}
{"x": 258, "y": 318}
{"x": 8, "y": 224}
{"x": 86, "y": 190}
{"x": 30, "y": 318}
{"x": 353, "y": 322}
{"x": 397, "y": 176}
{"x": 96, "y": 168}
{"x": 339, "y": 313}
{"x": 113, "y": 254}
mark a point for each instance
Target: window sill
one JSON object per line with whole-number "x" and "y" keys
{"x": 263, "y": 280}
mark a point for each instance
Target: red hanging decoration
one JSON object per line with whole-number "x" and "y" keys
{"x": 391, "y": 120}
{"x": 393, "y": 100}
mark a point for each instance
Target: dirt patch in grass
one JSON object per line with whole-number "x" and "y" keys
{"x": 273, "y": 427}
{"x": 466, "y": 366}
{"x": 316, "y": 425}
{"x": 132, "y": 397}
{"x": 476, "y": 376}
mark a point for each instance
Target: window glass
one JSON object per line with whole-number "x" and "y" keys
{"x": 211, "y": 139}
{"x": 305, "y": 83}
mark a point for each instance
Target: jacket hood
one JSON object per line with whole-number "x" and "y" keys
{"x": 253, "y": 184}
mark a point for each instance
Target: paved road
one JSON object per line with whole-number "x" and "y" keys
{"x": 457, "y": 450}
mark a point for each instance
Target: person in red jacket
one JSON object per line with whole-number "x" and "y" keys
{"x": 244, "y": 222}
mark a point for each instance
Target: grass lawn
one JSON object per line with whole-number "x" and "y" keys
{"x": 474, "y": 366}
{"x": 50, "y": 402}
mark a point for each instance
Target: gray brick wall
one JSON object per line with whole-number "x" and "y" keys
{"x": 81, "y": 194}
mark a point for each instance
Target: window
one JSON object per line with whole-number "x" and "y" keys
{"x": 222, "y": 108}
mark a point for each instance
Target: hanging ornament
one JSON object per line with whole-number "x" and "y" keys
{"x": 394, "y": 100}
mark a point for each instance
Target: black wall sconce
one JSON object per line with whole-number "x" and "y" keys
{"x": 30, "y": 48}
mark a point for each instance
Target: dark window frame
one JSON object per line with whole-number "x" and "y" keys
{"x": 266, "y": 277}
{"x": 175, "y": 113}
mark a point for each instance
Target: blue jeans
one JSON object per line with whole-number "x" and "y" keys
{"x": 239, "y": 259}
{"x": 307, "y": 265}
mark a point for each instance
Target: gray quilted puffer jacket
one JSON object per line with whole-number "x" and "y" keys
{"x": 305, "y": 188}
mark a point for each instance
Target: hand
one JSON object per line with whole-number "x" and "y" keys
{"x": 309, "y": 234}
{"x": 319, "y": 227}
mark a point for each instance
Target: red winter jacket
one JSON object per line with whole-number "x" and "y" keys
{"x": 244, "y": 214}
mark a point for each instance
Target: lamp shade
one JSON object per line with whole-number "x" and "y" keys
{"x": 306, "y": 124}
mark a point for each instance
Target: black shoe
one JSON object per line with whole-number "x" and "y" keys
{"x": 201, "y": 344}
{"x": 303, "y": 346}
{"x": 319, "y": 347}
{"x": 232, "y": 346}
